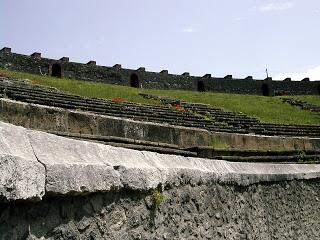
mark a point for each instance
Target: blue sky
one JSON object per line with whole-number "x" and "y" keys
{"x": 204, "y": 36}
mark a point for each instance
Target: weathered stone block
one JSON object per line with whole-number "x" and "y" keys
{"x": 22, "y": 176}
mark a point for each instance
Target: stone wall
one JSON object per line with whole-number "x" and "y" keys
{"x": 145, "y": 79}
{"x": 57, "y": 188}
{"x": 282, "y": 210}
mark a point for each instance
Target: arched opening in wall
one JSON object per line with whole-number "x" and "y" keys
{"x": 134, "y": 80}
{"x": 265, "y": 90}
{"x": 200, "y": 86}
{"x": 56, "y": 70}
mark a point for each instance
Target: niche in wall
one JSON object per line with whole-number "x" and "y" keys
{"x": 134, "y": 80}
{"x": 56, "y": 70}
{"x": 200, "y": 86}
{"x": 265, "y": 90}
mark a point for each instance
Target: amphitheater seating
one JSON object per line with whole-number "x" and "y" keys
{"x": 302, "y": 104}
{"x": 160, "y": 114}
{"x": 172, "y": 111}
{"x": 159, "y": 147}
{"x": 234, "y": 155}
{"x": 237, "y": 155}
{"x": 241, "y": 121}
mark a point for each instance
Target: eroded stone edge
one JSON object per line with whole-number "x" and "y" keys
{"x": 149, "y": 170}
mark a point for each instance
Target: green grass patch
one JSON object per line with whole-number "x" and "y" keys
{"x": 156, "y": 198}
{"x": 266, "y": 109}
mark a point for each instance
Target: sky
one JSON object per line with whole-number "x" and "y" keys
{"x": 241, "y": 38}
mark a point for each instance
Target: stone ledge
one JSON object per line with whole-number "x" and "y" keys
{"x": 38, "y": 161}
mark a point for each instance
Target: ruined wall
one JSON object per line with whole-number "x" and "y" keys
{"x": 145, "y": 79}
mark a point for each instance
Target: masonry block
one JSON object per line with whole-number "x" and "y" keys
{"x": 36, "y": 55}
{"x": 164, "y": 72}
{"x": 186, "y": 74}
{"x": 141, "y": 69}
{"x": 92, "y": 63}
{"x": 117, "y": 66}
{"x": 64, "y": 59}
{"x": 6, "y": 50}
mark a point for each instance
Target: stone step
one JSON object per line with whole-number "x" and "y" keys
{"x": 211, "y": 152}
{"x": 130, "y": 143}
{"x": 272, "y": 159}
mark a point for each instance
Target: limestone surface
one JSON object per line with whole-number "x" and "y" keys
{"x": 22, "y": 176}
{"x": 34, "y": 164}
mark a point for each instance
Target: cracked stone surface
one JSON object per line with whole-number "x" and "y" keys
{"x": 73, "y": 189}
{"x": 22, "y": 176}
{"x": 35, "y": 163}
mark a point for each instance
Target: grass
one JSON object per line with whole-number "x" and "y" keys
{"x": 156, "y": 198}
{"x": 266, "y": 109}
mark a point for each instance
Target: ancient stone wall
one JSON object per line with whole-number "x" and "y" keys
{"x": 57, "y": 188}
{"x": 280, "y": 210}
{"x": 145, "y": 79}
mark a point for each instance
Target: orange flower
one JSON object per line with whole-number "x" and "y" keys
{"x": 117, "y": 99}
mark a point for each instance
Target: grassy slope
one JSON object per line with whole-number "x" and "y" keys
{"x": 267, "y": 109}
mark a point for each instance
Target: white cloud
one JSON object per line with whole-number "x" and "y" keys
{"x": 188, "y": 30}
{"x": 276, "y": 6}
{"x": 312, "y": 73}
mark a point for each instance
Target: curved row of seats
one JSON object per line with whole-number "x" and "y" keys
{"x": 15, "y": 90}
{"x": 236, "y": 155}
{"x": 240, "y": 120}
{"x": 187, "y": 114}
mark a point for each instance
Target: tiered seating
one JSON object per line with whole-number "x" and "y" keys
{"x": 304, "y": 105}
{"x": 237, "y": 155}
{"x": 231, "y": 119}
{"x": 286, "y": 130}
{"x": 159, "y": 147}
{"x": 173, "y": 112}
{"x": 161, "y": 114}
{"x": 241, "y": 121}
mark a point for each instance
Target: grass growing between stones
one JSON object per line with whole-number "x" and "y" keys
{"x": 266, "y": 109}
{"x": 156, "y": 198}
